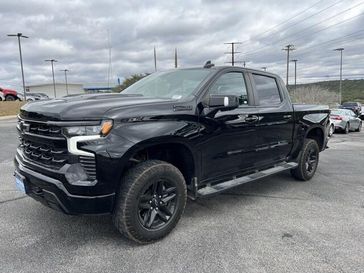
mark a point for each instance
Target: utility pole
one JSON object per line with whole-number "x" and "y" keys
{"x": 54, "y": 82}
{"x": 155, "y": 59}
{"x": 233, "y": 52}
{"x": 175, "y": 58}
{"x": 264, "y": 68}
{"x": 65, "y": 77}
{"x": 295, "y": 74}
{"x": 243, "y": 63}
{"x": 341, "y": 49}
{"x": 20, "y": 35}
{"x": 288, "y": 48}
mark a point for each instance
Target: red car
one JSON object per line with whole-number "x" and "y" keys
{"x": 10, "y": 95}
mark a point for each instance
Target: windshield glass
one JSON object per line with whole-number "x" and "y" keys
{"x": 176, "y": 84}
{"x": 343, "y": 112}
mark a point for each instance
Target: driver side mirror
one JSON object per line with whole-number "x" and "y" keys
{"x": 221, "y": 102}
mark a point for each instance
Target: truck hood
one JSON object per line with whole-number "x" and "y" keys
{"x": 85, "y": 107}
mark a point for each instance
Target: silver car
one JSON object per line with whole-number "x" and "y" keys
{"x": 345, "y": 120}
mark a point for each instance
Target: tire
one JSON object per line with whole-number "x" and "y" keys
{"x": 347, "y": 128}
{"x": 331, "y": 130}
{"x": 308, "y": 161}
{"x": 359, "y": 127}
{"x": 10, "y": 98}
{"x": 139, "y": 199}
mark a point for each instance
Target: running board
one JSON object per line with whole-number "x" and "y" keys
{"x": 209, "y": 190}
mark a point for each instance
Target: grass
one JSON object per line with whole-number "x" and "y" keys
{"x": 352, "y": 90}
{"x": 10, "y": 108}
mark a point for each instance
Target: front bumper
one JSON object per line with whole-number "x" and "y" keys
{"x": 52, "y": 193}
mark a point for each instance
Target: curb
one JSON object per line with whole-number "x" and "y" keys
{"x": 8, "y": 117}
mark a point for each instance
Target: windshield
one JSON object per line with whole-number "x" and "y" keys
{"x": 341, "y": 112}
{"x": 176, "y": 84}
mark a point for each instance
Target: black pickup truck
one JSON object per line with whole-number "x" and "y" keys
{"x": 181, "y": 133}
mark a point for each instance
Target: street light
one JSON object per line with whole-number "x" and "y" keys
{"x": 54, "y": 82}
{"x": 20, "y": 35}
{"x": 341, "y": 49}
{"x": 65, "y": 77}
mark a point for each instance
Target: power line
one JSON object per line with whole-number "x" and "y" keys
{"x": 307, "y": 28}
{"x": 284, "y": 22}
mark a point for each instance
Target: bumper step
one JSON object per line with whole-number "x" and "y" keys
{"x": 214, "y": 189}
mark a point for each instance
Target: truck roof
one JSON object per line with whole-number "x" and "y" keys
{"x": 226, "y": 66}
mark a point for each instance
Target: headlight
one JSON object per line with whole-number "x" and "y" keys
{"x": 103, "y": 129}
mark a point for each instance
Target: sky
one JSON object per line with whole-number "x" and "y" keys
{"x": 80, "y": 33}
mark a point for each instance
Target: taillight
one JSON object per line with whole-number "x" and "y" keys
{"x": 336, "y": 117}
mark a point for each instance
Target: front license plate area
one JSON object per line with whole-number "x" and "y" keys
{"x": 19, "y": 183}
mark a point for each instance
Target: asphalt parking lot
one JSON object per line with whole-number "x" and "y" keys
{"x": 274, "y": 225}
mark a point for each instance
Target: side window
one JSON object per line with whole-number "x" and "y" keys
{"x": 267, "y": 90}
{"x": 231, "y": 83}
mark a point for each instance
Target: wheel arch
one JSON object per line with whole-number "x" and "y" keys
{"x": 318, "y": 134}
{"x": 172, "y": 150}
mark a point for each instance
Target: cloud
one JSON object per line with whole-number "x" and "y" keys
{"x": 76, "y": 34}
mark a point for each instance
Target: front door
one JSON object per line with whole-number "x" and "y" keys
{"x": 229, "y": 138}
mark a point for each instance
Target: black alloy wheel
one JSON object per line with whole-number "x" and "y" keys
{"x": 307, "y": 161}
{"x": 311, "y": 160}
{"x": 157, "y": 205}
{"x": 150, "y": 202}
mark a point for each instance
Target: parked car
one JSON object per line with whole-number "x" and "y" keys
{"x": 354, "y": 106}
{"x": 36, "y": 96}
{"x": 175, "y": 134}
{"x": 10, "y": 95}
{"x": 345, "y": 120}
{"x": 362, "y": 113}
{"x": 2, "y": 97}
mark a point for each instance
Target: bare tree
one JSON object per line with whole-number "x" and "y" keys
{"x": 314, "y": 95}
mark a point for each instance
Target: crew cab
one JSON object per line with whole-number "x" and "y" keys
{"x": 174, "y": 134}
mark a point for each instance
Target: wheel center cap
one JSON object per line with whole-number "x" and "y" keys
{"x": 155, "y": 202}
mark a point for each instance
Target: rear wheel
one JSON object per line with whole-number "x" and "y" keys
{"x": 308, "y": 161}
{"x": 151, "y": 201}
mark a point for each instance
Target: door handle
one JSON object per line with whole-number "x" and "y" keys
{"x": 252, "y": 118}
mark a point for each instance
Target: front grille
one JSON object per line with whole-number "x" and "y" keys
{"x": 43, "y": 143}
{"x": 89, "y": 165}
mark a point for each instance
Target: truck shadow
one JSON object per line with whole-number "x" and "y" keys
{"x": 83, "y": 230}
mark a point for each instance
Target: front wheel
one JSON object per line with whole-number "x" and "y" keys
{"x": 331, "y": 130}
{"x": 308, "y": 161}
{"x": 151, "y": 201}
{"x": 347, "y": 128}
{"x": 359, "y": 128}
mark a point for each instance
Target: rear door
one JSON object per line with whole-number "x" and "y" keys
{"x": 276, "y": 120}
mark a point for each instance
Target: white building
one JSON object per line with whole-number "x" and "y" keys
{"x": 73, "y": 89}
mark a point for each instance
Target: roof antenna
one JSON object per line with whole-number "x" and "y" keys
{"x": 208, "y": 64}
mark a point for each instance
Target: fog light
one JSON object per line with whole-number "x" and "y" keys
{"x": 76, "y": 175}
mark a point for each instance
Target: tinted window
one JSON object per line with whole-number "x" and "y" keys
{"x": 232, "y": 83}
{"x": 267, "y": 90}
